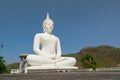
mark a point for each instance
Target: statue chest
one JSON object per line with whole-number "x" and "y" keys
{"x": 48, "y": 40}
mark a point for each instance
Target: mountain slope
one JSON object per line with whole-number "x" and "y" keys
{"x": 104, "y": 55}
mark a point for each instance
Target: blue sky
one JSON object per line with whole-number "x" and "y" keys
{"x": 78, "y": 23}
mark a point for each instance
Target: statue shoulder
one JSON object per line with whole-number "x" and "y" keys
{"x": 56, "y": 37}
{"x": 38, "y": 34}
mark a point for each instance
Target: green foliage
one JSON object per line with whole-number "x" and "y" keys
{"x": 2, "y": 66}
{"x": 12, "y": 66}
{"x": 88, "y": 61}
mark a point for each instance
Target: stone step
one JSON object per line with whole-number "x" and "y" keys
{"x": 64, "y": 76}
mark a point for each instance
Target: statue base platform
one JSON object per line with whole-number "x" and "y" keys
{"x": 50, "y": 68}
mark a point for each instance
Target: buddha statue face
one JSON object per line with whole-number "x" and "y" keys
{"x": 48, "y": 26}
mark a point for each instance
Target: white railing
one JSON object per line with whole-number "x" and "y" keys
{"x": 108, "y": 69}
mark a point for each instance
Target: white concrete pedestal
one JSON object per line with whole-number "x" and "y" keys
{"x": 50, "y": 68}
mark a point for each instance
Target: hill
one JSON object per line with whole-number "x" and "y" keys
{"x": 104, "y": 55}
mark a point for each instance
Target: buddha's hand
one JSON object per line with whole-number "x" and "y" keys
{"x": 58, "y": 57}
{"x": 45, "y": 54}
{"x": 53, "y": 60}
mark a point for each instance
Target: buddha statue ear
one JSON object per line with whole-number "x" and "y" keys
{"x": 43, "y": 29}
{"x": 44, "y": 22}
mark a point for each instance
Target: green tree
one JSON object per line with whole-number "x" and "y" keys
{"x": 2, "y": 65}
{"x": 88, "y": 61}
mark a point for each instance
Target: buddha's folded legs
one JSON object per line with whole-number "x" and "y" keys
{"x": 66, "y": 61}
{"x": 36, "y": 60}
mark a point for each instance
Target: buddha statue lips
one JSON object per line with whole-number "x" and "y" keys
{"x": 48, "y": 50}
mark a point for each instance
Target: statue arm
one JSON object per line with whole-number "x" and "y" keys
{"x": 36, "y": 44}
{"x": 58, "y": 49}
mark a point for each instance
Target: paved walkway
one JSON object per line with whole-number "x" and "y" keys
{"x": 64, "y": 76}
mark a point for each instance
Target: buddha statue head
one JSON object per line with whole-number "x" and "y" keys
{"x": 48, "y": 25}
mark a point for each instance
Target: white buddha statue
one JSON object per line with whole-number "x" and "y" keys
{"x": 48, "y": 50}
